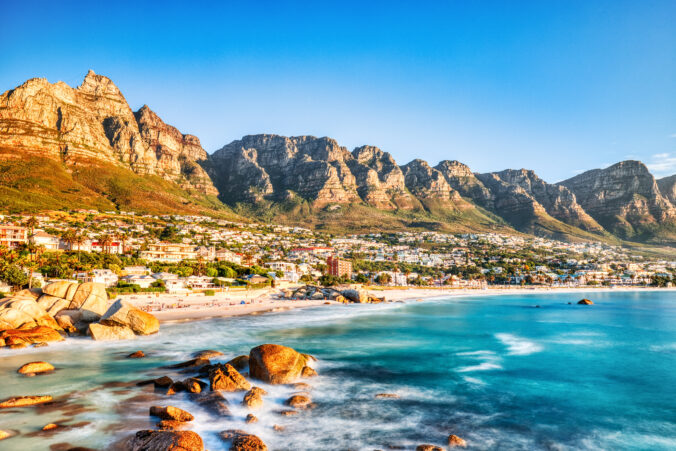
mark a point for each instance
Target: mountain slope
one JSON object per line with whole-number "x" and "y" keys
{"x": 87, "y": 140}
{"x": 626, "y": 200}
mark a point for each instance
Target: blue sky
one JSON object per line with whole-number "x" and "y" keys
{"x": 554, "y": 86}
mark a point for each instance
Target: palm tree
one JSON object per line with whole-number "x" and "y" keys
{"x": 105, "y": 241}
{"x": 30, "y": 224}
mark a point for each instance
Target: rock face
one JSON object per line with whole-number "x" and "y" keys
{"x": 149, "y": 440}
{"x": 276, "y": 364}
{"x": 625, "y": 199}
{"x": 271, "y": 166}
{"x": 94, "y": 121}
{"x": 89, "y": 299}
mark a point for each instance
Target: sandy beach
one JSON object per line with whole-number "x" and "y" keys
{"x": 196, "y": 306}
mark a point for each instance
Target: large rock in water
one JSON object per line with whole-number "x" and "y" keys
{"x": 358, "y": 296}
{"x": 276, "y": 364}
{"x": 104, "y": 332}
{"x": 227, "y": 378}
{"x": 122, "y": 313}
{"x": 165, "y": 441}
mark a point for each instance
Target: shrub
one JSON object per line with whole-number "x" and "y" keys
{"x": 209, "y": 292}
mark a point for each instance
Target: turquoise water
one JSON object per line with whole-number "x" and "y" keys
{"x": 494, "y": 370}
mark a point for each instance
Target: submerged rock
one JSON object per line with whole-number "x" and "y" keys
{"x": 240, "y": 362}
{"x": 4, "y": 434}
{"x": 150, "y": 440}
{"x": 242, "y": 441}
{"x": 254, "y": 397}
{"x": 33, "y": 368}
{"x": 585, "y": 302}
{"x": 298, "y": 401}
{"x": 136, "y": 355}
{"x": 427, "y": 447}
{"x": 456, "y": 442}
{"x": 23, "y": 401}
{"x": 276, "y": 364}
{"x": 251, "y": 418}
{"x": 387, "y": 396}
{"x": 207, "y": 354}
{"x": 213, "y": 401}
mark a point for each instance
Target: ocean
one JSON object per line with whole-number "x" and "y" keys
{"x": 495, "y": 370}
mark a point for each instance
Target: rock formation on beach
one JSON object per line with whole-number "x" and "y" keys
{"x": 62, "y": 308}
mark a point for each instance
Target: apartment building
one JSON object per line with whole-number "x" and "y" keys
{"x": 169, "y": 252}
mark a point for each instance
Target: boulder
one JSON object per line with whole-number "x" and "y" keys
{"x": 171, "y": 425}
{"x": 4, "y": 434}
{"x": 298, "y": 401}
{"x": 254, "y": 397}
{"x": 104, "y": 332}
{"x": 251, "y": 418}
{"x": 456, "y": 442}
{"x": 212, "y": 401}
{"x": 23, "y": 401}
{"x": 358, "y": 296}
{"x": 207, "y": 354}
{"x": 35, "y": 367}
{"x": 171, "y": 413}
{"x": 241, "y": 441}
{"x": 308, "y": 372}
{"x": 240, "y": 362}
{"x": 136, "y": 355}
{"x": 276, "y": 364}
{"x": 70, "y": 320}
{"x": 387, "y": 396}
{"x": 39, "y": 334}
{"x": 149, "y": 440}
{"x": 585, "y": 302}
{"x": 52, "y": 304}
{"x": 428, "y": 448}
{"x": 194, "y": 385}
{"x": 227, "y": 378}
{"x": 122, "y": 313}
{"x": 58, "y": 289}
{"x": 91, "y": 299}
{"x": 24, "y": 312}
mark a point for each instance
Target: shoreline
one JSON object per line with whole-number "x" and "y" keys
{"x": 180, "y": 308}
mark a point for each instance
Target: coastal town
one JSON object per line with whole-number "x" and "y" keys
{"x": 130, "y": 253}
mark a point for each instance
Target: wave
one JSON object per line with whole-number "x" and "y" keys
{"x": 518, "y": 345}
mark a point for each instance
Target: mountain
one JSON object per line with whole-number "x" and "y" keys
{"x": 97, "y": 150}
{"x": 84, "y": 147}
{"x": 626, "y": 200}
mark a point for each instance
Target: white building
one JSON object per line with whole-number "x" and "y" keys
{"x": 104, "y": 276}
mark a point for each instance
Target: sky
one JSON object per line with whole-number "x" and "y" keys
{"x": 554, "y": 86}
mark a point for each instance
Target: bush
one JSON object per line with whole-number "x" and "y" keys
{"x": 209, "y": 292}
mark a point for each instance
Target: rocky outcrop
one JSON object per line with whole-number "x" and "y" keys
{"x": 556, "y": 200}
{"x": 462, "y": 179}
{"x": 25, "y": 337}
{"x": 667, "y": 186}
{"x": 380, "y": 181}
{"x": 104, "y": 332}
{"x": 276, "y": 364}
{"x": 94, "y": 121}
{"x": 625, "y": 199}
{"x": 275, "y": 167}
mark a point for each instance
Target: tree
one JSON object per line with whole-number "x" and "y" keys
{"x": 105, "y": 240}
{"x": 15, "y": 276}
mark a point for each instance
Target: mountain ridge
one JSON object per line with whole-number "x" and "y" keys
{"x": 300, "y": 179}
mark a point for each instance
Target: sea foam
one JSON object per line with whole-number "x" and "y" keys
{"x": 518, "y": 345}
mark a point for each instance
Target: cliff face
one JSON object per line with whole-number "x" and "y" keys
{"x": 94, "y": 121}
{"x": 667, "y": 187}
{"x": 624, "y": 198}
{"x": 277, "y": 167}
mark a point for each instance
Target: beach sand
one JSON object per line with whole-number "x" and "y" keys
{"x": 195, "y": 306}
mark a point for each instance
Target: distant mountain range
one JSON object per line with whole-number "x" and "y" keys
{"x": 63, "y": 147}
